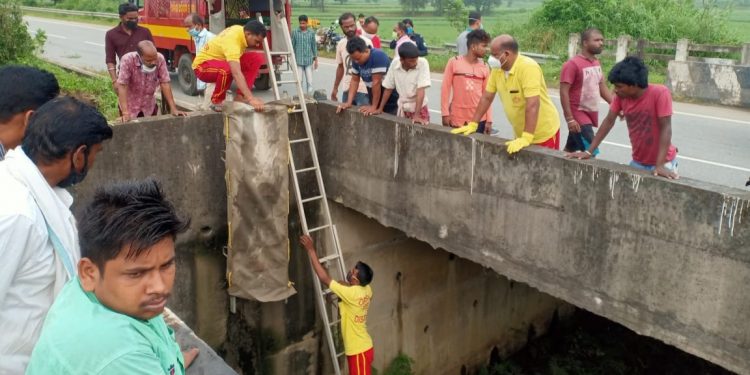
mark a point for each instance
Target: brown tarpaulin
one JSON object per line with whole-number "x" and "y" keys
{"x": 257, "y": 162}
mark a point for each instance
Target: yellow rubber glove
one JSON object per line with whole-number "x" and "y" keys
{"x": 467, "y": 129}
{"x": 519, "y": 143}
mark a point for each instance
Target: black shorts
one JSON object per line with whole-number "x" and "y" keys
{"x": 576, "y": 140}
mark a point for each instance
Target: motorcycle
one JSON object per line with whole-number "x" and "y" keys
{"x": 327, "y": 37}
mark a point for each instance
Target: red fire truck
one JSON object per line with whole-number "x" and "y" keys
{"x": 165, "y": 20}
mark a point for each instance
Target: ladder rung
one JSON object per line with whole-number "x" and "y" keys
{"x": 305, "y": 170}
{"x": 340, "y": 354}
{"x": 296, "y": 110}
{"x": 299, "y": 140}
{"x": 333, "y": 323}
{"x": 287, "y": 81}
{"x": 329, "y": 258}
{"x": 319, "y": 228}
{"x": 280, "y": 53}
{"x": 312, "y": 198}
{"x": 327, "y": 291}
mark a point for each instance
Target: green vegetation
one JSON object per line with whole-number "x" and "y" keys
{"x": 104, "y": 6}
{"x": 15, "y": 41}
{"x": 95, "y": 90}
{"x": 401, "y": 365}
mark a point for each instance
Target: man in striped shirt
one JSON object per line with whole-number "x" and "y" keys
{"x": 306, "y": 52}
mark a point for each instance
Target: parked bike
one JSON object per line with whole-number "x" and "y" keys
{"x": 327, "y": 37}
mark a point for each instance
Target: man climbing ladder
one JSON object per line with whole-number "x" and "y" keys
{"x": 355, "y": 295}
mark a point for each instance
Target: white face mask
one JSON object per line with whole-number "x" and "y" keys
{"x": 494, "y": 63}
{"x": 147, "y": 69}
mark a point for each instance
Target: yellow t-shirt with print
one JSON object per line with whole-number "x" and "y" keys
{"x": 355, "y": 300}
{"x": 229, "y": 45}
{"x": 525, "y": 80}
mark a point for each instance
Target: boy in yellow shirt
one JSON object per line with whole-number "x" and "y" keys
{"x": 225, "y": 58}
{"x": 355, "y": 295}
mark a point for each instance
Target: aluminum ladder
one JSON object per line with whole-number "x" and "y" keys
{"x": 332, "y": 260}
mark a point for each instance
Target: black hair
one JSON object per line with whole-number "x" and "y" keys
{"x": 477, "y": 36}
{"x": 510, "y": 45}
{"x": 197, "y": 19}
{"x": 302, "y": 18}
{"x": 127, "y": 216}
{"x": 401, "y": 26}
{"x": 361, "y": 15}
{"x": 630, "y": 71}
{"x": 372, "y": 19}
{"x": 408, "y": 21}
{"x": 474, "y": 17}
{"x": 586, "y": 34}
{"x": 126, "y": 8}
{"x": 408, "y": 50}
{"x": 356, "y": 45}
{"x": 364, "y": 273}
{"x": 346, "y": 16}
{"x": 62, "y": 125}
{"x": 255, "y": 27}
{"x": 24, "y": 88}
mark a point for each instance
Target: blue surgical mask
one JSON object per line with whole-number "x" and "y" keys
{"x": 409, "y": 30}
{"x": 194, "y": 32}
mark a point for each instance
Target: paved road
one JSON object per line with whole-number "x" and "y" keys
{"x": 714, "y": 141}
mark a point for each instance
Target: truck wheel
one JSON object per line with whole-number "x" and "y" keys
{"x": 263, "y": 82}
{"x": 186, "y": 76}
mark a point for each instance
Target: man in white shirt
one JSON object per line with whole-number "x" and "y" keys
{"x": 22, "y": 90}
{"x": 410, "y": 77}
{"x": 344, "y": 63}
{"x": 38, "y": 237}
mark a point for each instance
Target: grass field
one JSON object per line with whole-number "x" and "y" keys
{"x": 434, "y": 29}
{"x": 739, "y": 20}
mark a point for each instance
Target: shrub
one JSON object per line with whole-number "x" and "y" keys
{"x": 15, "y": 41}
{"x": 656, "y": 20}
{"x": 401, "y": 365}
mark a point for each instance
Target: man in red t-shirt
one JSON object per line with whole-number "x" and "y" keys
{"x": 648, "y": 113}
{"x": 581, "y": 86}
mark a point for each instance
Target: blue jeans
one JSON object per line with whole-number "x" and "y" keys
{"x": 359, "y": 99}
{"x": 670, "y": 165}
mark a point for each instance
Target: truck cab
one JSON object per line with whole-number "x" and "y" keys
{"x": 164, "y": 18}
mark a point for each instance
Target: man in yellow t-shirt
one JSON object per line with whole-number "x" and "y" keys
{"x": 519, "y": 82}
{"x": 224, "y": 59}
{"x": 355, "y": 295}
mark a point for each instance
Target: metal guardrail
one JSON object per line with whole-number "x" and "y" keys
{"x": 70, "y": 12}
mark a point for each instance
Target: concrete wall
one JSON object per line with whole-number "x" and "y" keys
{"x": 445, "y": 312}
{"x": 717, "y": 83}
{"x": 185, "y": 154}
{"x": 462, "y": 310}
{"x": 668, "y": 259}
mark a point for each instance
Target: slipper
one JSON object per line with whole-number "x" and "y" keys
{"x": 216, "y": 107}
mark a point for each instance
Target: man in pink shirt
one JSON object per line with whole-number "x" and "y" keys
{"x": 141, "y": 72}
{"x": 466, "y": 77}
{"x": 581, "y": 86}
{"x": 648, "y": 113}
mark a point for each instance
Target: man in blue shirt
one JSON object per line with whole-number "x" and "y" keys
{"x": 196, "y": 27}
{"x": 109, "y": 320}
{"x": 370, "y": 65}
